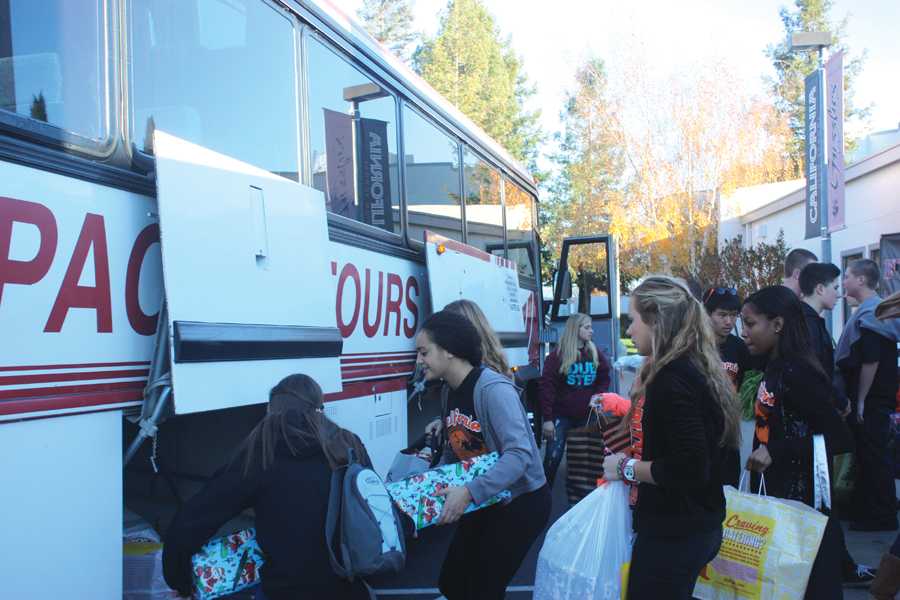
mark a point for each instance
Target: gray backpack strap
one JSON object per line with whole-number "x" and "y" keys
{"x": 335, "y": 498}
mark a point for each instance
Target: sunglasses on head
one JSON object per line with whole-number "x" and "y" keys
{"x": 720, "y": 291}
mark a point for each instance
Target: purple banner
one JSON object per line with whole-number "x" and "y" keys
{"x": 339, "y": 162}
{"x": 834, "y": 77}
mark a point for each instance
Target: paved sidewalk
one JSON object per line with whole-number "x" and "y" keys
{"x": 866, "y": 548}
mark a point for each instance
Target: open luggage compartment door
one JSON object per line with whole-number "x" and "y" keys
{"x": 457, "y": 271}
{"x": 246, "y": 270}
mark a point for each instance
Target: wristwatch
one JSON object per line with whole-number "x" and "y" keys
{"x": 628, "y": 470}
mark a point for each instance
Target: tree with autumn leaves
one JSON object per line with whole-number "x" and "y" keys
{"x": 647, "y": 161}
{"x": 644, "y": 157}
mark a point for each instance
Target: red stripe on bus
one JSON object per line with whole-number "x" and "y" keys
{"x": 72, "y": 376}
{"x": 462, "y": 248}
{"x": 406, "y": 362}
{"x": 88, "y": 410}
{"x": 393, "y": 358}
{"x": 70, "y": 400}
{"x": 375, "y": 371}
{"x": 367, "y": 388}
{"x": 75, "y": 366}
{"x": 378, "y": 354}
{"x": 73, "y": 389}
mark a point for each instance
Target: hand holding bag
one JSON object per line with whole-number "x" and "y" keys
{"x": 768, "y": 544}
{"x": 587, "y": 549}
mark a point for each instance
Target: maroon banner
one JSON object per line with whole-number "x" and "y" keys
{"x": 340, "y": 197}
{"x": 834, "y": 101}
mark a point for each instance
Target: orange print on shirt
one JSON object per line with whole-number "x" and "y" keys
{"x": 765, "y": 402}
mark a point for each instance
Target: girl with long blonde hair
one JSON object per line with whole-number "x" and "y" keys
{"x": 573, "y": 373}
{"x": 684, "y": 422}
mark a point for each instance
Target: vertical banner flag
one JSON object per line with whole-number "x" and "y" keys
{"x": 339, "y": 162}
{"x": 374, "y": 174}
{"x": 834, "y": 82}
{"x": 815, "y": 155}
{"x": 890, "y": 264}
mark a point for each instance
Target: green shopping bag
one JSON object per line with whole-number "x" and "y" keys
{"x": 844, "y": 468}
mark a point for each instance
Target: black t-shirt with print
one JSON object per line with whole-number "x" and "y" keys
{"x": 869, "y": 348}
{"x": 463, "y": 429}
{"x": 735, "y": 358}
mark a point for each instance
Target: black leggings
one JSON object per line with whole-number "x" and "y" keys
{"x": 490, "y": 544}
{"x": 668, "y": 567}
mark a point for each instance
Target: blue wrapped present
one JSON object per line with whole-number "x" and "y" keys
{"x": 226, "y": 565}
{"x": 415, "y": 495}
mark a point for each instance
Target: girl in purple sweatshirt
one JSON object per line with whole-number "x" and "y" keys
{"x": 573, "y": 373}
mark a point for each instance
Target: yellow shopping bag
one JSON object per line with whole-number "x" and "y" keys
{"x": 768, "y": 548}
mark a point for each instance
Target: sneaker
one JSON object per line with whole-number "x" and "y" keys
{"x": 862, "y": 577}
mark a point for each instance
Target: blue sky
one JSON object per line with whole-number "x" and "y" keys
{"x": 552, "y": 37}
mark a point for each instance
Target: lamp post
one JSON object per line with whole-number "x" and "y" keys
{"x": 801, "y": 41}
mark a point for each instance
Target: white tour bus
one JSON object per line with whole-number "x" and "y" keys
{"x": 262, "y": 174}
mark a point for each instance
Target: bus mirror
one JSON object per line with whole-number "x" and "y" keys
{"x": 565, "y": 291}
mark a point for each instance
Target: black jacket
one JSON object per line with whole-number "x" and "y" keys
{"x": 798, "y": 401}
{"x": 682, "y": 426}
{"x": 290, "y": 500}
{"x": 822, "y": 345}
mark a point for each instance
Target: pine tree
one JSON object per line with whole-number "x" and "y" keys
{"x": 390, "y": 22}
{"x": 476, "y": 70}
{"x": 792, "y": 68}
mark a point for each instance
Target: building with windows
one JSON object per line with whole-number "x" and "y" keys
{"x": 872, "y": 197}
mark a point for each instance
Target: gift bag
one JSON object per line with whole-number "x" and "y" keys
{"x": 768, "y": 548}
{"x": 586, "y": 551}
{"x": 415, "y": 496}
{"x": 227, "y": 565}
{"x": 584, "y": 459}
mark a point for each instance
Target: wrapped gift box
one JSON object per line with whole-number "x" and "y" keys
{"x": 226, "y": 565}
{"x": 415, "y": 495}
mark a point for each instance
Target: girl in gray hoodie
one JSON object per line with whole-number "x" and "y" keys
{"x": 483, "y": 414}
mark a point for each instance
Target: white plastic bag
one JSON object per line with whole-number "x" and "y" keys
{"x": 585, "y": 550}
{"x": 142, "y": 577}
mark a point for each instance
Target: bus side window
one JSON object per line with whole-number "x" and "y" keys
{"x": 352, "y": 139}
{"x": 433, "y": 197}
{"x": 520, "y": 223}
{"x": 52, "y": 56}
{"x": 484, "y": 210}
{"x": 218, "y": 73}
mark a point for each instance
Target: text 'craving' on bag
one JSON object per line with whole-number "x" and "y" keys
{"x": 768, "y": 544}
{"x": 363, "y": 522}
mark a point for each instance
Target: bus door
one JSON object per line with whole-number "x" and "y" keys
{"x": 248, "y": 287}
{"x": 587, "y": 281}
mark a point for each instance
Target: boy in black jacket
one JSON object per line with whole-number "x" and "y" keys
{"x": 820, "y": 292}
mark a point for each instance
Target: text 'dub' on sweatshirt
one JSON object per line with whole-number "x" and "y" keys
{"x": 569, "y": 394}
